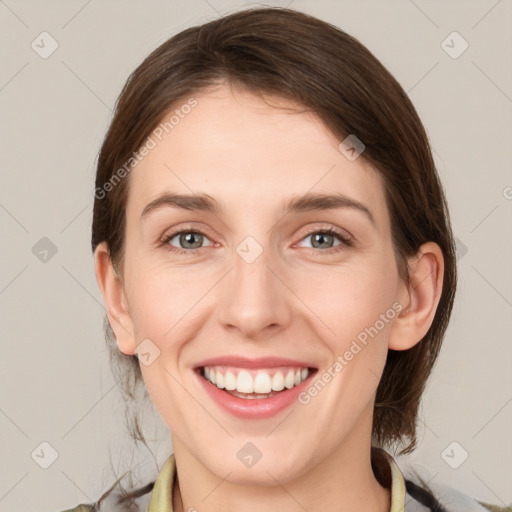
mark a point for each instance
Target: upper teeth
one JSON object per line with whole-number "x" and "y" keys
{"x": 255, "y": 381}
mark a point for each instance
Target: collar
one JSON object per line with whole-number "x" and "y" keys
{"x": 161, "y": 497}
{"x": 398, "y": 489}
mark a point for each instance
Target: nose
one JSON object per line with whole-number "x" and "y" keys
{"x": 254, "y": 299}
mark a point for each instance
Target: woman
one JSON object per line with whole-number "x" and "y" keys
{"x": 274, "y": 250}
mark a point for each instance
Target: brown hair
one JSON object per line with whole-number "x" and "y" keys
{"x": 318, "y": 66}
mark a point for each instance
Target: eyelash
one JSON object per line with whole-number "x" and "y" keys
{"x": 345, "y": 241}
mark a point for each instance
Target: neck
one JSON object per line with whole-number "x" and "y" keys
{"x": 341, "y": 481}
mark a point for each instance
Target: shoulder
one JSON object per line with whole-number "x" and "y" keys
{"x": 118, "y": 500}
{"x": 495, "y": 508}
{"x": 412, "y": 493}
{"x": 450, "y": 499}
{"x": 81, "y": 508}
{"x": 113, "y": 503}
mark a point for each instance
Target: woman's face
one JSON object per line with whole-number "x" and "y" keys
{"x": 256, "y": 289}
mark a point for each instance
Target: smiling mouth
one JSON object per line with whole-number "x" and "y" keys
{"x": 255, "y": 383}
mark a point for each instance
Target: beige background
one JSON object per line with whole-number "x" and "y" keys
{"x": 56, "y": 385}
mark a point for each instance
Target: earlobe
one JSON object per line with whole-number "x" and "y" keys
{"x": 111, "y": 287}
{"x": 419, "y": 299}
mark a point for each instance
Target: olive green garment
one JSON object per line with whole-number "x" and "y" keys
{"x": 401, "y": 501}
{"x": 161, "y": 499}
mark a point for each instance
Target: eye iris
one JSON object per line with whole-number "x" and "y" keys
{"x": 321, "y": 237}
{"x": 188, "y": 237}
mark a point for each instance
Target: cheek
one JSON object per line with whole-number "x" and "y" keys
{"x": 163, "y": 300}
{"x": 161, "y": 382}
{"x": 352, "y": 301}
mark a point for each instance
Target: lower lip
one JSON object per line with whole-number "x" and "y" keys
{"x": 256, "y": 408}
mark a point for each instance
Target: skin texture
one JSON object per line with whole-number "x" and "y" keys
{"x": 292, "y": 301}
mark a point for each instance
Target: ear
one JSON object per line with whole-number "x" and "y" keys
{"x": 420, "y": 299}
{"x": 111, "y": 287}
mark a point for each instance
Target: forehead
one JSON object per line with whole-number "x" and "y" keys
{"x": 234, "y": 146}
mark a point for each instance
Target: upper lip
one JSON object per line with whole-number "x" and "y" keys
{"x": 245, "y": 362}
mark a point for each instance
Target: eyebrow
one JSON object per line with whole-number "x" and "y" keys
{"x": 303, "y": 203}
